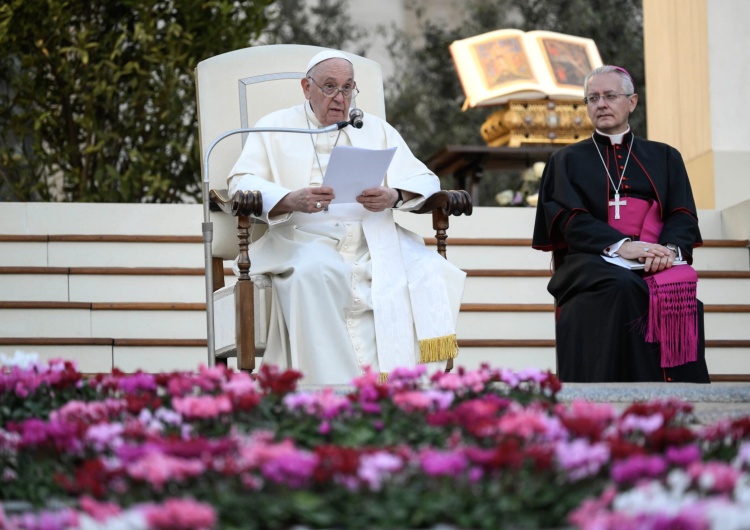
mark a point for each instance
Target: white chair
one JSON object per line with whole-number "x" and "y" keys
{"x": 234, "y": 90}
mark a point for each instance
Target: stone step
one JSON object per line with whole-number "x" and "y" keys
{"x": 187, "y": 251}
{"x": 711, "y": 403}
{"x": 188, "y": 321}
{"x": 181, "y": 285}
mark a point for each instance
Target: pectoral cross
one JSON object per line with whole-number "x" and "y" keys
{"x": 617, "y": 203}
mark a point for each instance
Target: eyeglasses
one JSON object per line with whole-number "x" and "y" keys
{"x": 331, "y": 91}
{"x": 609, "y": 98}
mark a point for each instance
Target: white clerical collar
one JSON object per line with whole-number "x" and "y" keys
{"x": 311, "y": 115}
{"x": 616, "y": 139}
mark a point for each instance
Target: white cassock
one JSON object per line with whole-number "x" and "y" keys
{"x": 351, "y": 288}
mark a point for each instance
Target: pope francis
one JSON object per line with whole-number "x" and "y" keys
{"x": 351, "y": 288}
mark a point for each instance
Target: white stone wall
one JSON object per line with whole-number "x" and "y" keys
{"x": 729, "y": 67}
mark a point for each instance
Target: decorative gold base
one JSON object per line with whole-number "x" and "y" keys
{"x": 540, "y": 121}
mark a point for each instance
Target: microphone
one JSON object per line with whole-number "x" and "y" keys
{"x": 355, "y": 118}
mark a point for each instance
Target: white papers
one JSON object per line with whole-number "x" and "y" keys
{"x": 352, "y": 170}
{"x": 632, "y": 263}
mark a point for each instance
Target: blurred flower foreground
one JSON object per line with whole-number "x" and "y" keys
{"x": 489, "y": 448}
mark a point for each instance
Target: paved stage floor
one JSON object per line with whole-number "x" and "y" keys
{"x": 712, "y": 402}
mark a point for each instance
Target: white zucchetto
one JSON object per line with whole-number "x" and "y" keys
{"x": 324, "y": 56}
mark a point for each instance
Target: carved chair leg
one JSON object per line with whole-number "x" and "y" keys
{"x": 243, "y": 300}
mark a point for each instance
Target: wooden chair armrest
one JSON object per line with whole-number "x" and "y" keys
{"x": 243, "y": 204}
{"x": 451, "y": 202}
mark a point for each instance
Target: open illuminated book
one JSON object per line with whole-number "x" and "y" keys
{"x": 507, "y": 64}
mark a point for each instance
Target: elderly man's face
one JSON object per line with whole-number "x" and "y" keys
{"x": 333, "y": 72}
{"x": 610, "y": 117}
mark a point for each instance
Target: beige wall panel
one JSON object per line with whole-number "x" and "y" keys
{"x": 677, "y": 81}
{"x": 701, "y": 171}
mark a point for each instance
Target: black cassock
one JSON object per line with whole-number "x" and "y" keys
{"x": 601, "y": 307}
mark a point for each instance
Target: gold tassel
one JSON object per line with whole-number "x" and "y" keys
{"x": 438, "y": 349}
{"x": 383, "y": 378}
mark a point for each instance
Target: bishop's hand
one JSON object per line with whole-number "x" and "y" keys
{"x": 654, "y": 256}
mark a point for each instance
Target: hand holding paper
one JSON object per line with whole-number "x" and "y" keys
{"x": 351, "y": 170}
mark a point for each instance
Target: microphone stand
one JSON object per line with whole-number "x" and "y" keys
{"x": 207, "y": 225}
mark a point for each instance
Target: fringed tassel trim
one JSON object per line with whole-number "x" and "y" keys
{"x": 438, "y": 349}
{"x": 673, "y": 321}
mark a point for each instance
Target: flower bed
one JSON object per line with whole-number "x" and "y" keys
{"x": 489, "y": 448}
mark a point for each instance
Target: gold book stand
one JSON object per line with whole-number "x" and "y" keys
{"x": 541, "y": 121}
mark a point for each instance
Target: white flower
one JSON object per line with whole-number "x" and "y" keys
{"x": 21, "y": 359}
{"x": 129, "y": 520}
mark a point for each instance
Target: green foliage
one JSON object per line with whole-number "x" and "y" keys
{"x": 424, "y": 98}
{"x": 97, "y": 99}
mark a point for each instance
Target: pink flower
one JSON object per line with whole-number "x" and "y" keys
{"x": 406, "y": 377}
{"x": 581, "y": 459}
{"x": 202, "y": 407}
{"x": 180, "y": 514}
{"x": 375, "y": 468}
{"x": 714, "y": 476}
{"x": 104, "y": 435}
{"x": 530, "y": 423}
{"x": 240, "y": 383}
{"x": 89, "y": 412}
{"x": 158, "y": 469}
{"x": 593, "y": 510}
{"x": 645, "y": 424}
{"x": 411, "y": 401}
{"x": 326, "y": 404}
{"x": 100, "y": 511}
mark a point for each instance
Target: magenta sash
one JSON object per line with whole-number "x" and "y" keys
{"x": 673, "y": 303}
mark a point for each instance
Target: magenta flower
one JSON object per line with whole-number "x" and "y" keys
{"x": 638, "y": 467}
{"x": 683, "y": 456}
{"x": 280, "y": 462}
{"x": 437, "y": 463}
{"x": 137, "y": 382}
